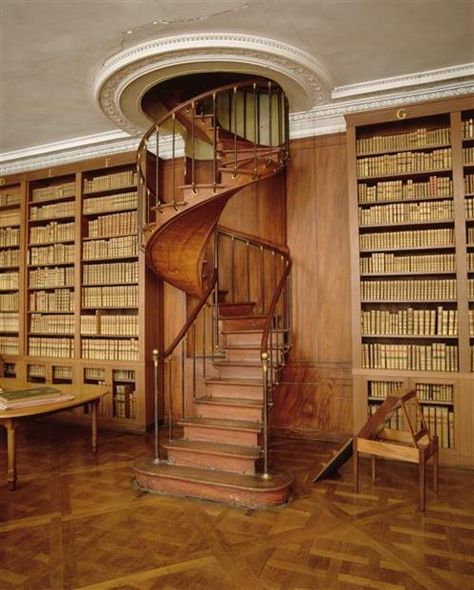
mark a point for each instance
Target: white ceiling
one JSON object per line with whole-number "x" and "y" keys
{"x": 52, "y": 50}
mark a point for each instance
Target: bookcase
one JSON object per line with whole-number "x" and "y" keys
{"x": 411, "y": 195}
{"x": 74, "y": 288}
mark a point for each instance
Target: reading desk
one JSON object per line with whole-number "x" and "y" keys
{"x": 10, "y": 419}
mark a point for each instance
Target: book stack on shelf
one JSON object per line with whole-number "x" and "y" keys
{"x": 35, "y": 396}
{"x": 110, "y": 212}
{"x": 411, "y": 181}
{"x": 468, "y": 171}
{"x": 51, "y": 257}
{"x": 10, "y": 215}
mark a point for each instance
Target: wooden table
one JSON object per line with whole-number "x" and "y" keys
{"x": 10, "y": 419}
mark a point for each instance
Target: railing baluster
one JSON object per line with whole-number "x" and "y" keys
{"x": 214, "y": 141}
{"x": 229, "y": 110}
{"x": 157, "y": 170}
{"x": 193, "y": 148}
{"x": 262, "y": 279}
{"x": 194, "y": 359}
{"x": 287, "y": 130}
{"x": 270, "y": 114}
{"x": 280, "y": 115}
{"x": 255, "y": 130}
{"x": 173, "y": 162}
{"x": 266, "y": 474}
{"x": 233, "y": 269}
{"x": 248, "y": 270}
{"x": 183, "y": 378}
{"x": 170, "y": 399}
{"x": 204, "y": 321}
{"x": 234, "y": 99}
{"x": 244, "y": 133}
{"x": 156, "y": 381}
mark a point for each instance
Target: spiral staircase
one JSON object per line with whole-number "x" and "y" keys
{"x": 234, "y": 343}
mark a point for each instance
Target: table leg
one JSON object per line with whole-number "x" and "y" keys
{"x": 11, "y": 452}
{"x": 373, "y": 462}
{"x": 93, "y": 406}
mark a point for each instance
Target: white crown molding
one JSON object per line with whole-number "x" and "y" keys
{"x": 321, "y": 120}
{"x": 302, "y": 77}
{"x": 425, "y": 78}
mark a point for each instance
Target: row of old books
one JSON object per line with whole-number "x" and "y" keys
{"x": 114, "y": 224}
{"x": 56, "y": 276}
{"x": 468, "y": 155}
{"x": 9, "y": 301}
{"x": 469, "y": 184}
{"x": 52, "y": 232}
{"x": 8, "y": 280}
{"x": 440, "y": 422}
{"x": 110, "y": 296}
{"x": 385, "y": 262}
{"x": 387, "y": 190}
{"x": 51, "y": 347}
{"x": 110, "y": 349}
{"x": 57, "y": 300}
{"x": 112, "y": 181}
{"x": 407, "y": 239}
{"x": 470, "y": 208}
{"x": 419, "y": 138}
{"x": 52, "y": 211}
{"x": 54, "y": 254}
{"x": 470, "y": 236}
{"x": 405, "y": 162}
{"x": 407, "y": 212}
{"x": 51, "y": 324}
{"x": 409, "y": 290}
{"x": 119, "y": 202}
{"x": 410, "y": 322}
{"x": 10, "y": 257}
{"x": 9, "y": 236}
{"x": 14, "y": 399}
{"x": 468, "y": 128}
{"x": 9, "y": 321}
{"x": 425, "y": 392}
{"x": 10, "y": 217}
{"x": 109, "y": 325}
{"x": 383, "y": 389}
{"x": 115, "y": 272}
{"x": 9, "y": 195}
{"x": 52, "y": 192}
{"x": 414, "y": 357}
{"x": 9, "y": 345}
{"x": 123, "y": 247}
{"x": 124, "y": 401}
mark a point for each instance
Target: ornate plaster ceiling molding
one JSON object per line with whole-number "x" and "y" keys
{"x": 126, "y": 76}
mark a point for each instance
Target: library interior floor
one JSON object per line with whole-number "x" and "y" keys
{"x": 76, "y": 521}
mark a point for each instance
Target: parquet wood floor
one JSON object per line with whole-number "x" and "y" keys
{"x": 76, "y": 522}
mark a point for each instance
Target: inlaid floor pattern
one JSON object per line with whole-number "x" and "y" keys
{"x": 76, "y": 521}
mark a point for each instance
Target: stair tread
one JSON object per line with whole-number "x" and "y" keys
{"x": 164, "y": 469}
{"x": 237, "y": 363}
{"x": 203, "y": 185}
{"x": 212, "y": 448}
{"x": 245, "y": 381}
{"x": 222, "y": 423}
{"x": 229, "y": 401}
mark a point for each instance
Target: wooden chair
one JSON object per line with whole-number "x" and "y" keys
{"x": 415, "y": 444}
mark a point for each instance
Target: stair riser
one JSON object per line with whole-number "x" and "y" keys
{"x": 239, "y": 371}
{"x": 235, "y": 391}
{"x": 229, "y": 412}
{"x": 252, "y": 339}
{"x": 224, "y": 494}
{"x": 235, "y": 309}
{"x": 244, "y": 354}
{"x": 203, "y": 460}
{"x": 241, "y": 324}
{"x": 219, "y": 435}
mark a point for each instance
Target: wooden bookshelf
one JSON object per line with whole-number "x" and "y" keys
{"x": 411, "y": 187}
{"x": 79, "y": 286}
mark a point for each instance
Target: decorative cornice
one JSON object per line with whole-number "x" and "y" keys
{"x": 321, "y": 120}
{"x": 421, "y": 78}
{"x": 302, "y": 76}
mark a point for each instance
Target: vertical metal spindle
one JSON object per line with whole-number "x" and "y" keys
{"x": 204, "y": 321}
{"x": 255, "y": 130}
{"x": 280, "y": 115}
{"x": 216, "y": 300}
{"x": 214, "y": 142}
{"x": 229, "y": 107}
{"x": 289, "y": 296}
{"x": 141, "y": 216}
{"x": 155, "y": 356}
{"x": 259, "y": 95}
{"x": 183, "y": 380}
{"x": 262, "y": 279}
{"x": 287, "y": 129}
{"x": 270, "y": 114}
{"x": 248, "y": 270}
{"x": 233, "y": 268}
{"x": 194, "y": 360}
{"x": 157, "y": 169}
{"x": 170, "y": 399}
{"x": 234, "y": 100}
{"x": 173, "y": 162}
{"x": 244, "y": 118}
{"x": 264, "y": 356}
{"x": 193, "y": 148}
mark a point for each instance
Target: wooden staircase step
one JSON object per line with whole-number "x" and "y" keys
{"x": 245, "y": 388}
{"x": 221, "y": 430}
{"x": 242, "y": 322}
{"x": 232, "y": 309}
{"x": 242, "y": 369}
{"x": 202, "y": 190}
{"x": 241, "y": 337}
{"x": 230, "y": 408}
{"x": 251, "y": 491}
{"x": 242, "y": 352}
{"x": 211, "y": 455}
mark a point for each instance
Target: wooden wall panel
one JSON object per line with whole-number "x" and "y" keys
{"x": 315, "y": 395}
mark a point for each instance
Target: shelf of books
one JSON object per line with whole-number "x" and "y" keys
{"x": 409, "y": 266}
{"x": 11, "y": 276}
{"x": 86, "y": 287}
